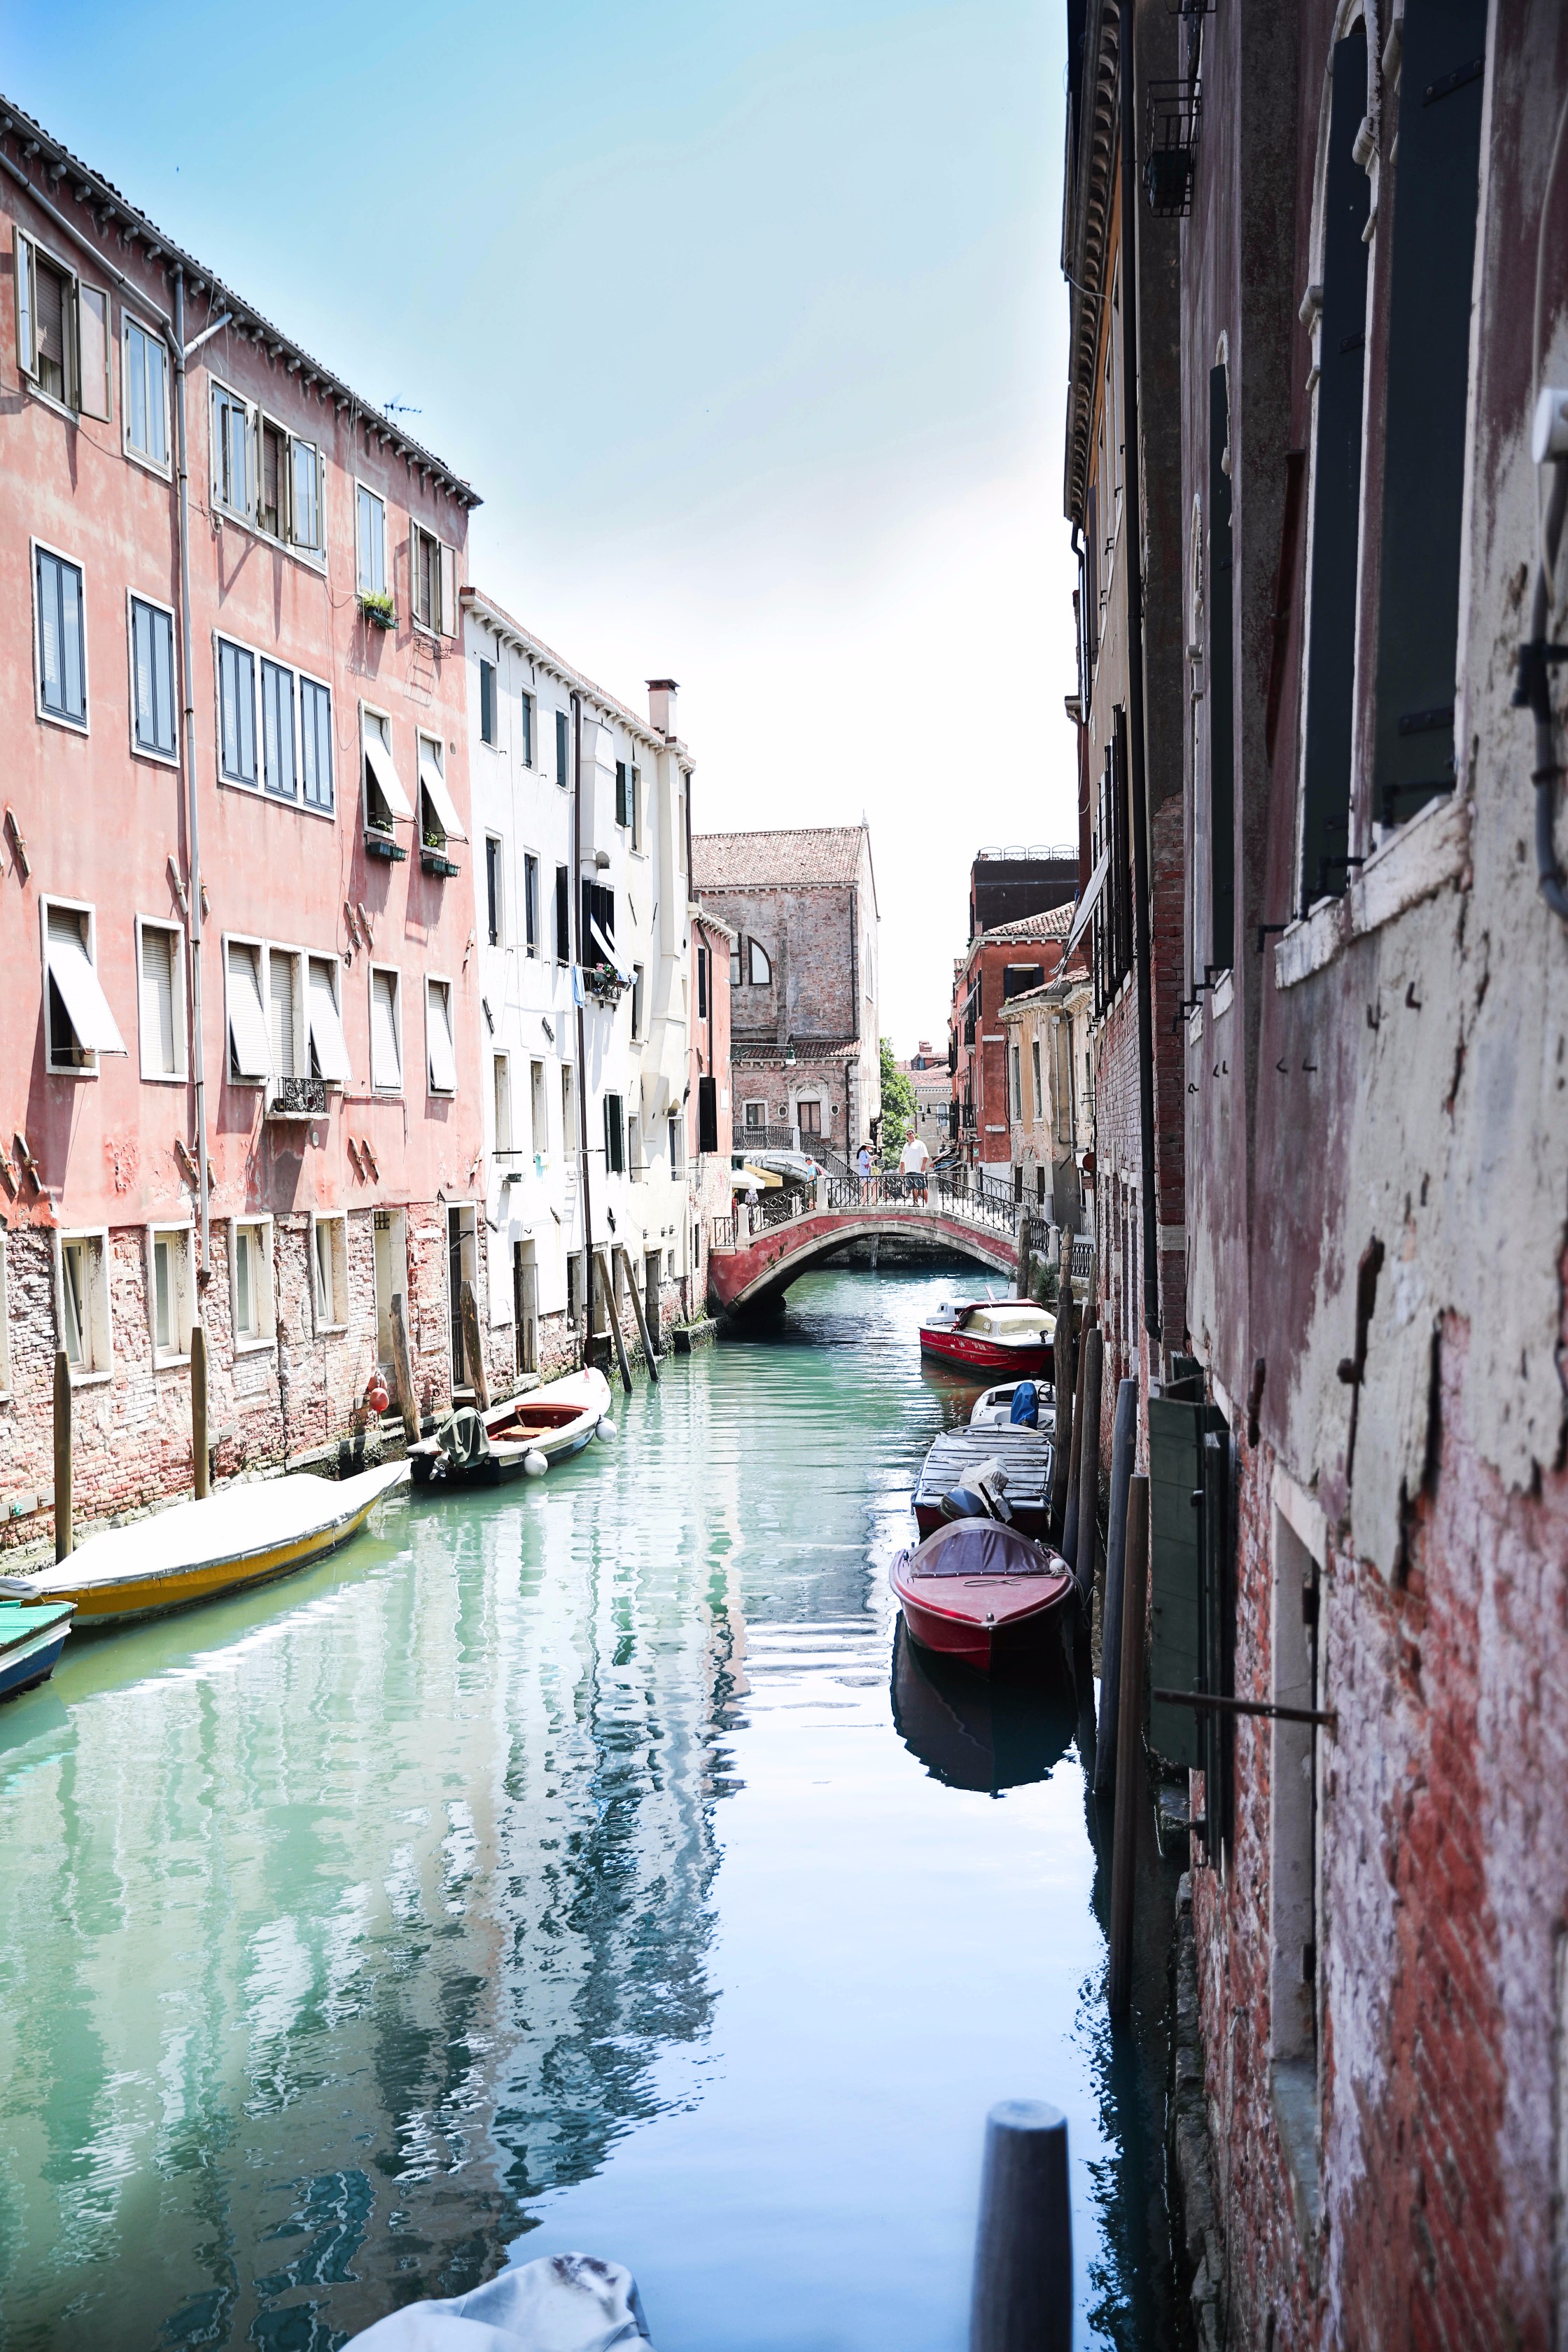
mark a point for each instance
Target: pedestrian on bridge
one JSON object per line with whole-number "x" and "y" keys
{"x": 914, "y": 1161}
{"x": 863, "y": 1169}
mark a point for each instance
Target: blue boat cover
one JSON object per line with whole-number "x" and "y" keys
{"x": 1025, "y": 1413}
{"x": 984, "y": 1548}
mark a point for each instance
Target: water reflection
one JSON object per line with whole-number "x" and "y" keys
{"x": 974, "y": 1732}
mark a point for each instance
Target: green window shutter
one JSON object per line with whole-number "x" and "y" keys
{"x": 1221, "y": 683}
{"x": 1173, "y": 1575}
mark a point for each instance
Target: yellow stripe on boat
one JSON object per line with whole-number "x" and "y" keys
{"x": 246, "y": 1535}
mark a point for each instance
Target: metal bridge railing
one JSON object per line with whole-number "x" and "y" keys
{"x": 854, "y": 1195}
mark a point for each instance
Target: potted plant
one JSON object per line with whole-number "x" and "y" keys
{"x": 432, "y": 855}
{"x": 378, "y": 608}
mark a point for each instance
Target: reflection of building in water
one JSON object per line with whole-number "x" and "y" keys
{"x": 351, "y": 1932}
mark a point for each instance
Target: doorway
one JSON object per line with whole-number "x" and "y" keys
{"x": 462, "y": 1265}
{"x": 652, "y": 1261}
{"x": 524, "y": 1306}
{"x": 391, "y": 1278}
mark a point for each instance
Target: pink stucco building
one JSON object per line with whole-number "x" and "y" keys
{"x": 331, "y": 1079}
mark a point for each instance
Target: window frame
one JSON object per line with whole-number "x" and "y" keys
{"x": 311, "y": 552}
{"x": 755, "y": 949}
{"x": 184, "y": 1231}
{"x": 258, "y": 1342}
{"x": 303, "y": 679}
{"x": 178, "y": 1076}
{"x": 99, "y": 1372}
{"x": 260, "y": 658}
{"x": 440, "y": 624}
{"x": 332, "y": 965}
{"x": 300, "y": 960}
{"x": 218, "y": 390}
{"x": 280, "y": 670}
{"x": 238, "y": 783}
{"x": 530, "y": 717}
{"x": 337, "y": 1219}
{"x": 495, "y": 890}
{"x": 140, "y": 751}
{"x": 283, "y": 536}
{"x": 230, "y": 940}
{"x": 530, "y": 905}
{"x": 82, "y": 726}
{"x": 615, "y": 1128}
{"x": 490, "y": 703}
{"x": 362, "y": 587}
{"x": 434, "y": 980}
{"x": 163, "y": 467}
{"x": 500, "y": 1075}
{"x": 378, "y": 1086}
{"x": 539, "y": 1111}
{"x": 563, "y": 751}
{"x": 90, "y": 1068}
{"x": 68, "y": 402}
{"x": 639, "y": 1003}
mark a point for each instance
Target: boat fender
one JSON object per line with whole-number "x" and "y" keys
{"x": 375, "y": 1395}
{"x": 606, "y": 1429}
{"x": 534, "y": 1465}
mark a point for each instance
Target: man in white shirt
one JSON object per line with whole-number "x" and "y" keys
{"x": 913, "y": 1163}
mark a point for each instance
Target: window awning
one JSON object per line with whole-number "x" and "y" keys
{"x": 71, "y": 968}
{"x": 1086, "y": 904}
{"x": 607, "y": 951}
{"x": 433, "y": 784}
{"x": 327, "y": 1040}
{"x": 386, "y": 778}
{"x": 438, "y": 1041}
{"x": 246, "y": 1018}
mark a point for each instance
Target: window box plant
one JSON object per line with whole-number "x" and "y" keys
{"x": 432, "y": 857}
{"x": 603, "y": 982}
{"x": 378, "y": 844}
{"x": 378, "y": 608}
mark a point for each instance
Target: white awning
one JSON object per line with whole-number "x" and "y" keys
{"x": 246, "y": 1017}
{"x": 386, "y": 778}
{"x": 1086, "y": 904}
{"x": 71, "y": 968}
{"x": 433, "y": 784}
{"x": 327, "y": 1037}
{"x": 443, "y": 1061}
{"x": 607, "y": 951}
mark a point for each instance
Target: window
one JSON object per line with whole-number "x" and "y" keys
{"x": 327, "y": 1047}
{"x": 80, "y": 1024}
{"x": 386, "y": 1032}
{"x": 538, "y": 1110}
{"x": 635, "y": 1161}
{"x": 500, "y": 1076}
{"x": 247, "y": 1046}
{"x": 703, "y": 983}
{"x": 434, "y": 569}
{"x": 707, "y": 1115}
{"x": 615, "y": 1136}
{"x": 236, "y": 713}
{"x": 636, "y": 808}
{"x": 527, "y": 702}
{"x": 284, "y": 1008}
{"x": 597, "y": 939}
{"x": 762, "y": 971}
{"x": 1017, "y": 979}
{"x": 1436, "y": 192}
{"x": 492, "y": 889}
{"x": 231, "y": 465}
{"x": 675, "y": 1145}
{"x": 316, "y": 745}
{"x": 272, "y": 480}
{"x": 623, "y": 793}
{"x": 488, "y": 702}
{"x": 153, "y": 679}
{"x": 307, "y": 511}
{"x": 756, "y": 1116}
{"x": 171, "y": 1288}
{"x": 530, "y": 903}
{"x": 1015, "y": 1083}
{"x": 439, "y": 1050}
{"x": 636, "y": 999}
{"x": 278, "y": 761}
{"x": 251, "y": 1284}
{"x": 737, "y": 948}
{"x": 563, "y": 914}
{"x": 62, "y": 331}
{"x": 158, "y": 960}
{"x": 809, "y": 1114}
{"x": 82, "y": 1303}
{"x": 440, "y": 823}
{"x": 146, "y": 393}
{"x": 370, "y": 542}
{"x": 62, "y": 637}
{"x": 563, "y": 749}
{"x": 568, "y": 1108}
{"x": 330, "y": 1272}
{"x": 1035, "y": 1074}
{"x": 385, "y": 802}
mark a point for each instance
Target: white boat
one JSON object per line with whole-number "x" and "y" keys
{"x": 995, "y": 1409}
{"x": 248, "y": 1534}
{"x": 543, "y": 1426}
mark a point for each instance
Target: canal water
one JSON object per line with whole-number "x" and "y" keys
{"x": 588, "y": 1864}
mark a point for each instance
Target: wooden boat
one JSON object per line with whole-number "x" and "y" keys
{"x": 979, "y": 1591}
{"x": 1004, "y": 1338}
{"x": 249, "y": 1534}
{"x": 547, "y": 1424}
{"x": 986, "y": 1735}
{"x": 1026, "y": 1455}
{"x": 995, "y": 1409}
{"x": 32, "y": 1635}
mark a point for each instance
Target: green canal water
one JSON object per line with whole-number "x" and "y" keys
{"x": 587, "y": 1865}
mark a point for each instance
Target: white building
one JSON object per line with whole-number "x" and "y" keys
{"x": 581, "y": 860}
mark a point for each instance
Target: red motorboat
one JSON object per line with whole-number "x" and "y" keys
{"x": 979, "y": 1591}
{"x": 996, "y": 1339}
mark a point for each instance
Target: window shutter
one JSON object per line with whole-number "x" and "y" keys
{"x": 1436, "y": 194}
{"x": 1221, "y": 684}
{"x": 283, "y": 988}
{"x": 386, "y": 1062}
{"x": 27, "y": 308}
{"x": 92, "y": 347}
{"x": 1173, "y": 1576}
{"x": 448, "y": 591}
{"x": 327, "y": 1047}
{"x": 246, "y": 1019}
{"x": 159, "y": 1041}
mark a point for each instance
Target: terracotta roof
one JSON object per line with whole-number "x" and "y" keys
{"x": 808, "y": 857}
{"x": 1055, "y": 924}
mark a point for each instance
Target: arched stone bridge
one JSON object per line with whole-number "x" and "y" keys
{"x": 760, "y": 1252}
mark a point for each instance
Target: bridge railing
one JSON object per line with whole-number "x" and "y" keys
{"x": 854, "y": 1195}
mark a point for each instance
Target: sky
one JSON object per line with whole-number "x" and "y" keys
{"x": 747, "y": 324}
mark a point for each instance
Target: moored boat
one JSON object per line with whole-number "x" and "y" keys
{"x": 1004, "y": 1338}
{"x": 250, "y": 1533}
{"x": 997, "y": 1409}
{"x": 543, "y": 1427}
{"x": 32, "y": 1635}
{"x": 1026, "y": 1456}
{"x": 981, "y": 1592}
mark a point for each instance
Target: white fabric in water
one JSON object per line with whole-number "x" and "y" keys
{"x": 565, "y": 2302}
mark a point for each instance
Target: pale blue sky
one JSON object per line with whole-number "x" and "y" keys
{"x": 747, "y": 324}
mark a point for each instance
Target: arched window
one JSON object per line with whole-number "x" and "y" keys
{"x": 762, "y": 971}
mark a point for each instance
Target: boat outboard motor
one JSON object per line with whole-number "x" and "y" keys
{"x": 463, "y": 1437}
{"x": 1025, "y": 1413}
{"x": 979, "y": 1495}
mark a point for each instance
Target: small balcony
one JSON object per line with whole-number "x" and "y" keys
{"x": 296, "y": 1099}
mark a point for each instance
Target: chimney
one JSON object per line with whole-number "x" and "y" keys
{"x": 661, "y": 693}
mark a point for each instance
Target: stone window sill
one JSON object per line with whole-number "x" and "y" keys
{"x": 1421, "y": 860}
{"x": 253, "y": 1347}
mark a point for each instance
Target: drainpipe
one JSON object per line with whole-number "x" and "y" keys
{"x": 581, "y": 1043}
{"x": 194, "y": 884}
{"x": 1132, "y": 521}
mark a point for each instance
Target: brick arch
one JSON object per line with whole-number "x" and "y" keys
{"x": 768, "y": 1265}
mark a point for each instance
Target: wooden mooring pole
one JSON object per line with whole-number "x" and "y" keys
{"x": 607, "y": 1284}
{"x": 64, "y": 1536}
{"x": 650, "y": 1359}
{"x": 1129, "y": 1744}
{"x": 473, "y": 1346}
{"x": 1023, "y": 2252}
{"x": 403, "y": 1369}
{"x": 201, "y": 1460}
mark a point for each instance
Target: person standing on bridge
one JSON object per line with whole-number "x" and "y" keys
{"x": 914, "y": 1161}
{"x": 863, "y": 1169}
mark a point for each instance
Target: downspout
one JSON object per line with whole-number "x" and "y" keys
{"x": 581, "y": 1043}
{"x": 194, "y": 884}
{"x": 1133, "y": 522}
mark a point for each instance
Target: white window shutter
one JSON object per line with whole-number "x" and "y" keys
{"x": 385, "y": 1061}
{"x": 246, "y": 1019}
{"x": 326, "y": 1026}
{"x": 92, "y": 347}
{"x": 448, "y": 591}
{"x": 71, "y": 970}
{"x": 27, "y": 308}
{"x": 160, "y": 1038}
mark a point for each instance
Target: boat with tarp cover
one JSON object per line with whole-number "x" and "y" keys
{"x": 32, "y": 1635}
{"x": 979, "y": 1591}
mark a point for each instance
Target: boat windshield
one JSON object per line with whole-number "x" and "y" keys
{"x": 1019, "y": 1322}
